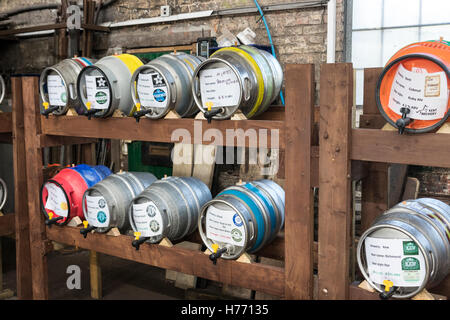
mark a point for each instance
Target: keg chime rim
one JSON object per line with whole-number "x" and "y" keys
{"x": 362, "y": 267}
{"x": 396, "y": 62}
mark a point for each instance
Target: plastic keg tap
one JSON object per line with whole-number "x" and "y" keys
{"x": 389, "y": 290}
{"x": 210, "y": 114}
{"x": 47, "y": 109}
{"x": 404, "y": 120}
{"x": 90, "y": 111}
{"x": 86, "y": 229}
{"x": 217, "y": 253}
{"x": 140, "y": 113}
{"x": 138, "y": 240}
{"x": 52, "y": 220}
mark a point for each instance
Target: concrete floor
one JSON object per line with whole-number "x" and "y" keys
{"x": 122, "y": 279}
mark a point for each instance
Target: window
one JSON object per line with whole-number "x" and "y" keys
{"x": 382, "y": 27}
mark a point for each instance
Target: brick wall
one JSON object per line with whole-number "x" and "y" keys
{"x": 299, "y": 35}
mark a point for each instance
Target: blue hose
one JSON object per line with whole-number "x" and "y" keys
{"x": 270, "y": 40}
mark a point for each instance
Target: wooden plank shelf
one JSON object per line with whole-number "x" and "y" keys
{"x": 427, "y": 149}
{"x": 253, "y": 276}
{"x": 156, "y": 130}
{"x": 5, "y": 122}
{"x": 7, "y": 224}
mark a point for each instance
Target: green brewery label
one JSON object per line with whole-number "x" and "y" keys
{"x": 410, "y": 264}
{"x": 236, "y": 235}
{"x": 101, "y": 97}
{"x": 410, "y": 248}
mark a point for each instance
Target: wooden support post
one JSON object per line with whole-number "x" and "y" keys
{"x": 299, "y": 221}
{"x": 375, "y": 186}
{"x": 33, "y": 159}
{"x": 22, "y": 228}
{"x": 336, "y": 100}
{"x": 96, "y": 275}
{"x": 88, "y": 151}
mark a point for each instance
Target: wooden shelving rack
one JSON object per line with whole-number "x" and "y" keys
{"x": 294, "y": 124}
{"x": 340, "y": 148}
{"x": 11, "y": 131}
{"x": 6, "y": 221}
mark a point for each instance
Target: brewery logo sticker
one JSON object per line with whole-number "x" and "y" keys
{"x": 56, "y": 200}
{"x": 97, "y": 211}
{"x": 147, "y": 219}
{"x": 56, "y": 89}
{"x": 223, "y": 226}
{"x": 410, "y": 248}
{"x": 152, "y": 90}
{"x": 219, "y": 87}
{"x": 237, "y": 220}
{"x": 397, "y": 260}
{"x": 424, "y": 94}
{"x": 97, "y": 92}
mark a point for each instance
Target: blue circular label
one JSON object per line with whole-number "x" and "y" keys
{"x": 159, "y": 95}
{"x": 237, "y": 220}
{"x": 101, "y": 217}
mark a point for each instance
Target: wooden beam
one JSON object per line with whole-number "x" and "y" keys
{"x": 430, "y": 149}
{"x": 7, "y": 224}
{"x": 155, "y": 130}
{"x": 5, "y": 122}
{"x": 93, "y": 27}
{"x": 299, "y": 225}
{"x": 55, "y": 141}
{"x": 336, "y": 100}
{"x": 45, "y": 27}
{"x": 22, "y": 228}
{"x": 252, "y": 276}
{"x": 33, "y": 158}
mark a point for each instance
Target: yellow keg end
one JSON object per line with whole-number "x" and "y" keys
{"x": 215, "y": 247}
{"x": 387, "y": 285}
{"x": 88, "y": 105}
{"x": 138, "y": 106}
{"x": 45, "y": 104}
{"x": 137, "y": 235}
{"x": 50, "y": 215}
{"x": 85, "y": 224}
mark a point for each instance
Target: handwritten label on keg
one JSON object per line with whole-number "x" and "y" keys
{"x": 97, "y": 92}
{"x": 424, "y": 94}
{"x": 56, "y": 200}
{"x": 225, "y": 226}
{"x": 97, "y": 212}
{"x": 397, "y": 260}
{"x": 152, "y": 90}
{"x": 148, "y": 219}
{"x": 219, "y": 88}
{"x": 57, "y": 94}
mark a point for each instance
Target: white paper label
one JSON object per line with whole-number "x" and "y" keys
{"x": 97, "y": 92}
{"x": 424, "y": 94}
{"x": 152, "y": 90}
{"x": 148, "y": 219}
{"x": 225, "y": 226}
{"x": 97, "y": 212}
{"x": 397, "y": 260}
{"x": 219, "y": 88}
{"x": 57, "y": 94}
{"x": 56, "y": 200}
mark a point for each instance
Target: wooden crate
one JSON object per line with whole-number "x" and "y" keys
{"x": 343, "y": 148}
{"x": 294, "y": 124}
